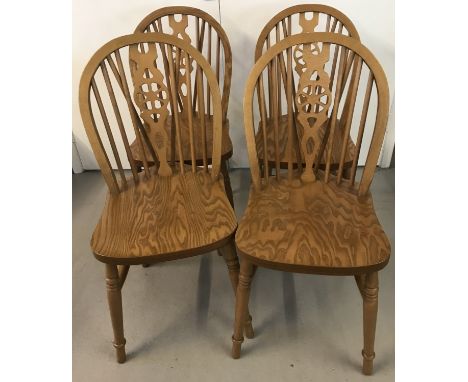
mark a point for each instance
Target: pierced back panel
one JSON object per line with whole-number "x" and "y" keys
{"x": 324, "y": 95}
{"x": 120, "y": 103}
{"x": 303, "y": 18}
{"x": 204, "y": 33}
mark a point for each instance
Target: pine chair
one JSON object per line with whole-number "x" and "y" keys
{"x": 309, "y": 219}
{"x": 304, "y": 18}
{"x": 170, "y": 210}
{"x": 202, "y": 31}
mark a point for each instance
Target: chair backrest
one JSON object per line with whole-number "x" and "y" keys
{"x": 320, "y": 61}
{"x": 202, "y": 31}
{"x": 107, "y": 104}
{"x": 303, "y": 18}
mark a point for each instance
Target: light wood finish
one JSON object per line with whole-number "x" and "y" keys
{"x": 114, "y": 297}
{"x": 370, "y": 295}
{"x": 211, "y": 40}
{"x": 170, "y": 210}
{"x": 283, "y": 25}
{"x": 123, "y": 272}
{"x": 227, "y": 182}
{"x": 308, "y": 218}
{"x": 217, "y": 34}
{"x": 242, "y": 298}
{"x": 230, "y": 256}
{"x": 164, "y": 218}
{"x": 294, "y": 151}
{"x": 314, "y": 227}
{"x": 226, "y": 144}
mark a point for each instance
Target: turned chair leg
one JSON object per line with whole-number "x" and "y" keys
{"x": 114, "y": 297}
{"x": 370, "y": 294}
{"x": 232, "y": 261}
{"x": 227, "y": 182}
{"x": 242, "y": 302}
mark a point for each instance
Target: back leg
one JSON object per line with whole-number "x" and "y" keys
{"x": 227, "y": 181}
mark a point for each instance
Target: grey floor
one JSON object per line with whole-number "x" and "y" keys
{"x": 178, "y": 315}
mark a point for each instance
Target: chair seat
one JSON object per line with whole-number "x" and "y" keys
{"x": 312, "y": 228}
{"x": 283, "y": 147}
{"x": 163, "y": 218}
{"x": 226, "y": 143}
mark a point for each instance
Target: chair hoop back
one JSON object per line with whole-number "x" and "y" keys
{"x": 314, "y": 106}
{"x": 282, "y": 24}
{"x": 154, "y": 60}
{"x": 210, "y": 39}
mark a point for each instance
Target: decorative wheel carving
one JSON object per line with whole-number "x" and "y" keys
{"x": 179, "y": 30}
{"x": 152, "y": 98}
{"x": 312, "y": 99}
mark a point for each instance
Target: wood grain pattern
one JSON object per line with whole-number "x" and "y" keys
{"x": 312, "y": 228}
{"x": 226, "y": 144}
{"x": 164, "y": 218}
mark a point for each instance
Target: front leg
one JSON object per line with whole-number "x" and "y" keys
{"x": 242, "y": 302}
{"x": 370, "y": 298}
{"x": 114, "y": 297}
{"x": 232, "y": 261}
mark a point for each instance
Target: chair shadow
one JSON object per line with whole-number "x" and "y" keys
{"x": 381, "y": 362}
{"x": 203, "y": 291}
{"x": 166, "y": 336}
{"x": 290, "y": 312}
{"x": 290, "y": 303}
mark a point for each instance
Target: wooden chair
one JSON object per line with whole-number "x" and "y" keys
{"x": 211, "y": 40}
{"x": 309, "y": 219}
{"x": 170, "y": 210}
{"x": 304, "y": 18}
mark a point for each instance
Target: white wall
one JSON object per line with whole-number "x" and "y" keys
{"x": 97, "y": 21}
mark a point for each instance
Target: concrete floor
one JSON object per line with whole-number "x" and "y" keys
{"x": 178, "y": 315}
